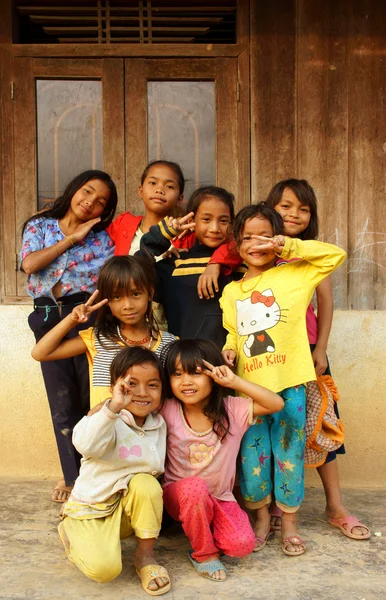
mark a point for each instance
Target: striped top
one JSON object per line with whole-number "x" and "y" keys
{"x": 100, "y": 354}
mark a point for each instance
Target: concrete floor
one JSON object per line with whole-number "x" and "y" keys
{"x": 34, "y": 565}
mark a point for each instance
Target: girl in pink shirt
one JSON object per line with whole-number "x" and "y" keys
{"x": 205, "y": 427}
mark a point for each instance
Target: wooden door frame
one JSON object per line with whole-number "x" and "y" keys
{"x": 232, "y": 116}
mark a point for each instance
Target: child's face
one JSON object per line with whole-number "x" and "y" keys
{"x": 262, "y": 260}
{"x": 191, "y": 389}
{"x": 90, "y": 200}
{"x": 212, "y": 220}
{"x": 146, "y": 389}
{"x": 296, "y": 216}
{"x": 160, "y": 191}
{"x": 130, "y": 306}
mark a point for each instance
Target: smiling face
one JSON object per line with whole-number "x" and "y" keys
{"x": 257, "y": 260}
{"x": 146, "y": 389}
{"x": 129, "y": 306}
{"x": 212, "y": 220}
{"x": 296, "y": 216}
{"x": 90, "y": 200}
{"x": 160, "y": 190}
{"x": 190, "y": 388}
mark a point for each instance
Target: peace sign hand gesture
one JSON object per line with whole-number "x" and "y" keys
{"x": 122, "y": 395}
{"x": 81, "y": 313}
{"x": 183, "y": 225}
{"x": 221, "y": 375}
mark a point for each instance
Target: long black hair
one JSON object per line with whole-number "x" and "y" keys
{"x": 191, "y": 354}
{"x": 262, "y": 210}
{"x": 306, "y": 196}
{"x": 61, "y": 205}
{"x": 129, "y": 357}
{"x": 115, "y": 277}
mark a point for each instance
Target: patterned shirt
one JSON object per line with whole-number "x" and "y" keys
{"x": 77, "y": 268}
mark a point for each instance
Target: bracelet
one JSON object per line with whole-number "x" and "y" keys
{"x": 68, "y": 238}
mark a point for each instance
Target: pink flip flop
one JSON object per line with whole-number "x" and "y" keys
{"x": 350, "y": 521}
{"x": 262, "y": 542}
{"x": 293, "y": 540}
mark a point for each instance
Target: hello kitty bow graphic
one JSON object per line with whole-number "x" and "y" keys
{"x": 267, "y": 300}
{"x": 254, "y": 316}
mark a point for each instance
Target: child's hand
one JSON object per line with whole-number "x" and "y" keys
{"x": 319, "y": 357}
{"x": 122, "y": 395}
{"x": 275, "y": 243}
{"x": 174, "y": 252}
{"x": 221, "y": 375}
{"x": 183, "y": 224}
{"x": 82, "y": 230}
{"x": 208, "y": 282}
{"x": 229, "y": 357}
{"x": 81, "y": 313}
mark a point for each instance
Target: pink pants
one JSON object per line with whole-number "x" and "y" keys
{"x": 211, "y": 525}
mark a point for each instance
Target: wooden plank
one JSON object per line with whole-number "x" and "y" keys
{"x": 8, "y": 245}
{"x": 181, "y": 69}
{"x": 5, "y": 22}
{"x": 243, "y": 132}
{"x": 114, "y": 125}
{"x": 367, "y": 157}
{"x": 25, "y": 149}
{"x": 57, "y": 68}
{"x": 273, "y": 93}
{"x": 136, "y": 128}
{"x": 242, "y": 22}
{"x": 323, "y": 120}
{"x": 129, "y": 50}
{"x": 226, "y": 130}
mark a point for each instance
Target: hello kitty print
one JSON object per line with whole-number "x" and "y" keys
{"x": 255, "y": 315}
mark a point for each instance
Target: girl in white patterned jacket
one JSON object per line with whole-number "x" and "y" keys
{"x": 117, "y": 492}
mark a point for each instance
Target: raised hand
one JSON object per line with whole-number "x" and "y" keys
{"x": 122, "y": 395}
{"x": 183, "y": 224}
{"x": 221, "y": 375}
{"x": 81, "y": 313}
{"x": 82, "y": 230}
{"x": 275, "y": 243}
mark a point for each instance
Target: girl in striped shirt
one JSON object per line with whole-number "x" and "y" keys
{"x": 125, "y": 319}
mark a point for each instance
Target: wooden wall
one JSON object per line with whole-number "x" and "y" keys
{"x": 318, "y": 111}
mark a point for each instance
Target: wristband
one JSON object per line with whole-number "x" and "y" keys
{"x": 68, "y": 238}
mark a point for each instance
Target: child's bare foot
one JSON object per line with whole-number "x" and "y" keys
{"x": 61, "y": 492}
{"x": 153, "y": 577}
{"x": 262, "y": 527}
{"x": 292, "y": 543}
{"x": 276, "y": 514}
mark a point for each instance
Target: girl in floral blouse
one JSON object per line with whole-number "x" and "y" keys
{"x": 63, "y": 248}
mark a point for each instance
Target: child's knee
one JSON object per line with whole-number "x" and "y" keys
{"x": 144, "y": 485}
{"x": 102, "y": 570}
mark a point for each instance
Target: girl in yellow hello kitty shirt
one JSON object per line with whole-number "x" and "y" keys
{"x": 264, "y": 314}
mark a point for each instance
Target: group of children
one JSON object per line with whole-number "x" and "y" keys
{"x": 227, "y": 382}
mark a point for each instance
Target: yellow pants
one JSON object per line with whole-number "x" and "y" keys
{"x": 94, "y": 546}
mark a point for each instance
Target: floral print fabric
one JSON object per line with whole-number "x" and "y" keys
{"x": 77, "y": 268}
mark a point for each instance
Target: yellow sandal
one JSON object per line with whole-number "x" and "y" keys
{"x": 150, "y": 572}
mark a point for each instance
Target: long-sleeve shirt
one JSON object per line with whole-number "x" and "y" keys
{"x": 114, "y": 448}
{"x": 176, "y": 287}
{"x": 265, "y": 315}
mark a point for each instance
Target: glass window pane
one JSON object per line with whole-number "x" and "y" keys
{"x": 181, "y": 128}
{"x": 69, "y": 137}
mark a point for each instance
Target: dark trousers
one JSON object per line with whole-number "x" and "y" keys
{"x": 66, "y": 381}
